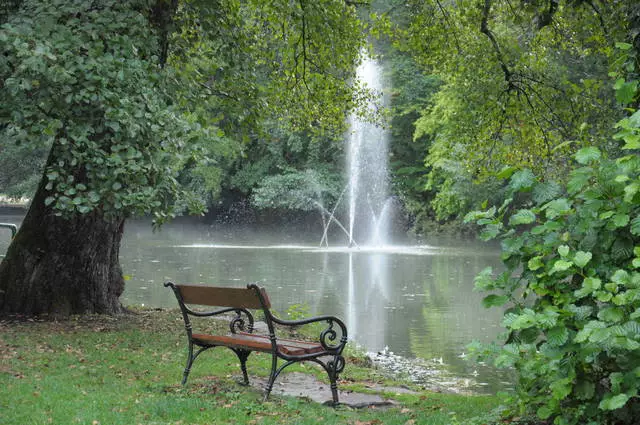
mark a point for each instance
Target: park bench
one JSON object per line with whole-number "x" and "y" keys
{"x": 242, "y": 338}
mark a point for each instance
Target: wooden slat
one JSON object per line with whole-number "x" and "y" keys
{"x": 257, "y": 343}
{"x": 222, "y": 297}
{"x": 260, "y": 343}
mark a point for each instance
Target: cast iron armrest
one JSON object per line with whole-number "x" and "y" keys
{"x": 328, "y": 336}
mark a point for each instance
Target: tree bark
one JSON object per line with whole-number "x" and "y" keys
{"x": 62, "y": 266}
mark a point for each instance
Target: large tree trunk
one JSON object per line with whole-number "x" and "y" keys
{"x": 62, "y": 266}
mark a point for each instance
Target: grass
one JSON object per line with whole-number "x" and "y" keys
{"x": 127, "y": 370}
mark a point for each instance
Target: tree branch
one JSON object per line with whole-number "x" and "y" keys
{"x": 484, "y": 28}
{"x": 547, "y": 16}
{"x": 162, "y": 13}
{"x": 446, "y": 18}
{"x": 597, "y": 11}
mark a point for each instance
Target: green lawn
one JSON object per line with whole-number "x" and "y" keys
{"x": 126, "y": 370}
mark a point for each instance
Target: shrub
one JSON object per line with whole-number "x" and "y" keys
{"x": 572, "y": 285}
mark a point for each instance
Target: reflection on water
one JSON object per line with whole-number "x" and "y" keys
{"x": 418, "y": 300}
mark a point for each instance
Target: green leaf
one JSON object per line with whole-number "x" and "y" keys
{"x": 614, "y": 402}
{"x": 490, "y": 231}
{"x": 494, "y": 300}
{"x": 578, "y": 179}
{"x": 560, "y": 266}
{"x": 506, "y": 172}
{"x": 49, "y": 200}
{"x": 563, "y": 250}
{"x": 611, "y": 314}
{"x": 635, "y": 226}
{"x": 484, "y": 280}
{"x": 603, "y": 296}
{"x": 621, "y": 277}
{"x": 522, "y": 217}
{"x": 544, "y": 412}
{"x": 523, "y": 322}
{"x": 557, "y": 336}
{"x": 589, "y": 285}
{"x": 584, "y": 389}
{"x": 535, "y": 263}
{"x": 581, "y": 312}
{"x": 584, "y": 334}
{"x": 545, "y": 192}
{"x": 522, "y": 180}
{"x": 561, "y": 388}
{"x": 626, "y": 91}
{"x": 582, "y": 258}
{"x": 557, "y": 208}
{"x": 93, "y": 196}
{"x": 623, "y": 46}
{"x": 620, "y": 220}
{"x": 587, "y": 155}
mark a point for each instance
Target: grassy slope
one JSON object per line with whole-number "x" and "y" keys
{"x": 126, "y": 370}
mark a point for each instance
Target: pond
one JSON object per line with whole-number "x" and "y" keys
{"x": 416, "y": 301}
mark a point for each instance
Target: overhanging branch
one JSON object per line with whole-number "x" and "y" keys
{"x": 484, "y": 28}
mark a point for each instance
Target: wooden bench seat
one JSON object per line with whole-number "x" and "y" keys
{"x": 242, "y": 339}
{"x": 260, "y": 343}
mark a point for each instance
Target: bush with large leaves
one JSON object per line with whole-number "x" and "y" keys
{"x": 572, "y": 281}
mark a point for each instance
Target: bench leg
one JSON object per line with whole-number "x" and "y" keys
{"x": 187, "y": 368}
{"x": 334, "y": 367}
{"x": 272, "y": 377}
{"x": 190, "y": 359}
{"x": 242, "y": 356}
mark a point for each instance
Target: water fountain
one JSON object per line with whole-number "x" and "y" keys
{"x": 370, "y": 208}
{"x": 369, "y": 203}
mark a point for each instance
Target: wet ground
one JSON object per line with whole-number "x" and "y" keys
{"x": 298, "y": 384}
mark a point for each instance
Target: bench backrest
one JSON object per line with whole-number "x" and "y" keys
{"x": 223, "y": 297}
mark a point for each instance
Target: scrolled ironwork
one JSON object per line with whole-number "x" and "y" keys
{"x": 239, "y": 323}
{"x": 336, "y": 365}
{"x": 328, "y": 337}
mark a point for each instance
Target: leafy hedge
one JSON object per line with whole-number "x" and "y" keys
{"x": 572, "y": 284}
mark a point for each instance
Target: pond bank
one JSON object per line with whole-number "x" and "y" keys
{"x": 126, "y": 370}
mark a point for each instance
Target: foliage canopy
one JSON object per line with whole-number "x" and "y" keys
{"x": 129, "y": 95}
